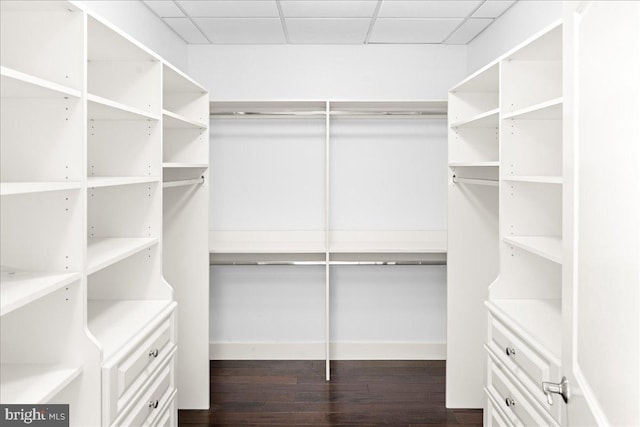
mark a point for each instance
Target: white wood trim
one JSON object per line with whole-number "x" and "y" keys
{"x": 339, "y": 351}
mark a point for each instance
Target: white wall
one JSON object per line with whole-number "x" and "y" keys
{"x": 521, "y": 21}
{"x": 134, "y": 18}
{"x": 327, "y": 72}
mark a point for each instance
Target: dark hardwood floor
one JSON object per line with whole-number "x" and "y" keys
{"x": 361, "y": 393}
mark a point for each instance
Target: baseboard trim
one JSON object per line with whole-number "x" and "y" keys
{"x": 339, "y": 351}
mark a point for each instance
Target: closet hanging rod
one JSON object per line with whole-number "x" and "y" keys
{"x": 267, "y": 263}
{"x": 434, "y": 262}
{"x": 183, "y": 182}
{"x": 424, "y": 114}
{"x": 476, "y": 181}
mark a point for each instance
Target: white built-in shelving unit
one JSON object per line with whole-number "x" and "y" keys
{"x": 311, "y": 126}
{"x": 474, "y": 161}
{"x": 185, "y": 163}
{"x": 520, "y": 221}
{"x": 87, "y": 316}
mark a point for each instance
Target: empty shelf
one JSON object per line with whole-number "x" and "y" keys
{"x": 175, "y": 121}
{"x": 474, "y": 164}
{"x": 548, "y": 110}
{"x": 22, "y": 287}
{"x": 535, "y": 179}
{"x": 104, "y": 251}
{"x": 115, "y": 322}
{"x": 34, "y": 383}
{"x": 105, "y": 109}
{"x": 16, "y": 84}
{"x": 13, "y": 188}
{"x": 538, "y": 321}
{"x": 185, "y": 165}
{"x": 112, "y": 181}
{"x": 488, "y": 119}
{"x": 548, "y": 247}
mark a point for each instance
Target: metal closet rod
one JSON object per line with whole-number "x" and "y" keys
{"x": 477, "y": 181}
{"x": 435, "y": 114}
{"x": 438, "y": 262}
{"x": 183, "y": 182}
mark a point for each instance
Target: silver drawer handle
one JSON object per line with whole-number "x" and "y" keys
{"x": 510, "y": 351}
{"x": 153, "y": 353}
{"x": 153, "y": 404}
{"x": 509, "y": 401}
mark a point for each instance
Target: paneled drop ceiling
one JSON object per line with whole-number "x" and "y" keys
{"x": 328, "y": 21}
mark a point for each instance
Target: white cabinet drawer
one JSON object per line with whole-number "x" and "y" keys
{"x": 494, "y": 416}
{"x": 528, "y": 366}
{"x": 124, "y": 374}
{"x": 155, "y": 397}
{"x": 169, "y": 415}
{"x": 518, "y": 406}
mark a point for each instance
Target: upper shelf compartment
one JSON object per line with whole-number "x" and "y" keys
{"x": 121, "y": 70}
{"x": 50, "y": 35}
{"x": 532, "y": 75}
{"x": 185, "y": 102}
{"x": 475, "y": 96}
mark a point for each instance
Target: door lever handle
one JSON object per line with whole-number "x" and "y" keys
{"x": 561, "y": 388}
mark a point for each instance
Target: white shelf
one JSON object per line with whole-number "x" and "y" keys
{"x": 391, "y": 247}
{"x": 185, "y": 165}
{"x": 115, "y": 322}
{"x": 538, "y": 321}
{"x": 175, "y": 121}
{"x": 487, "y": 119}
{"x": 535, "y": 179}
{"x": 13, "y": 188}
{"x": 548, "y": 110}
{"x": 104, "y": 251}
{"x": 485, "y": 79}
{"x": 175, "y": 80}
{"x": 16, "y": 84}
{"x": 112, "y": 181}
{"x": 474, "y": 164}
{"x": 105, "y": 109}
{"x": 545, "y": 246}
{"x": 22, "y": 287}
{"x": 34, "y": 383}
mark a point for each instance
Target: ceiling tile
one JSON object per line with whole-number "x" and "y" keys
{"x": 427, "y": 8}
{"x": 230, "y": 8}
{"x": 467, "y": 31}
{"x": 493, "y": 8}
{"x": 327, "y": 30}
{"x": 185, "y": 29}
{"x": 165, "y": 8}
{"x": 412, "y": 30}
{"x": 328, "y": 8}
{"x": 242, "y": 30}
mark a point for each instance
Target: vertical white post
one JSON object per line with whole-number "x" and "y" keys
{"x": 327, "y": 259}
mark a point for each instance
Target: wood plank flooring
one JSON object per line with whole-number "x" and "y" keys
{"x": 360, "y": 393}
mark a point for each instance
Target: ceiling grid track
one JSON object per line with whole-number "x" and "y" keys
{"x": 373, "y": 22}
{"x": 283, "y": 22}
{"x": 192, "y": 21}
{"x": 464, "y": 21}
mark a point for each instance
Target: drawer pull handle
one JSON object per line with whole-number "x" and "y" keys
{"x": 561, "y": 388}
{"x": 154, "y": 353}
{"x": 153, "y": 404}
{"x": 509, "y": 401}
{"x": 510, "y": 351}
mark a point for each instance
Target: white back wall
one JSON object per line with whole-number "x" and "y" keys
{"x": 521, "y": 21}
{"x": 326, "y": 71}
{"x": 389, "y": 177}
{"x": 134, "y": 18}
